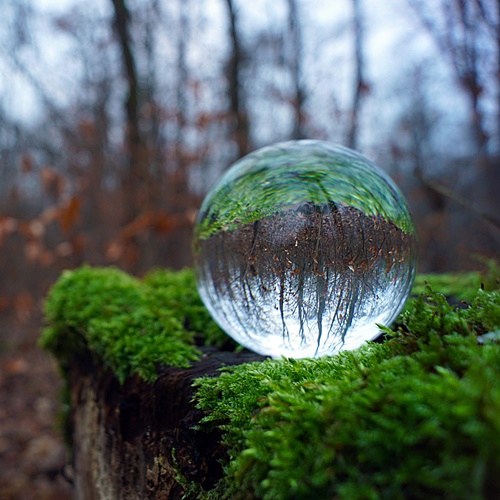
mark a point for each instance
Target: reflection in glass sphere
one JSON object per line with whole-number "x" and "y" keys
{"x": 302, "y": 247}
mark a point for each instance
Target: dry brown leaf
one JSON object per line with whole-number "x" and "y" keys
{"x": 68, "y": 213}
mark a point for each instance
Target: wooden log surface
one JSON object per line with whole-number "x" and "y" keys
{"x": 137, "y": 440}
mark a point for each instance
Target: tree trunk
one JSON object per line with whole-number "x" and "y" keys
{"x": 238, "y": 113}
{"x": 295, "y": 61}
{"x": 137, "y": 440}
{"x": 131, "y": 105}
{"x": 359, "y": 84}
{"x": 135, "y": 180}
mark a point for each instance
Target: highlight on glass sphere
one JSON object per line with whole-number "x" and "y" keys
{"x": 302, "y": 248}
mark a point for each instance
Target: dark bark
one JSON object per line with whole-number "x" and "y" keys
{"x": 137, "y": 440}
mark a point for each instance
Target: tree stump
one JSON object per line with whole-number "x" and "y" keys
{"x": 137, "y": 440}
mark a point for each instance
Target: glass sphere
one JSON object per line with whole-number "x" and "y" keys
{"x": 302, "y": 247}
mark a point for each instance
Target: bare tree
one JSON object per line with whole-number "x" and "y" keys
{"x": 460, "y": 33}
{"x": 133, "y": 140}
{"x": 295, "y": 63}
{"x": 182, "y": 82}
{"x": 239, "y": 116}
{"x": 153, "y": 135}
{"x": 359, "y": 85}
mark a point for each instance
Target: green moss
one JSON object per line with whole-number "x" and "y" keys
{"x": 132, "y": 326}
{"x": 461, "y": 286}
{"x": 417, "y": 416}
{"x": 175, "y": 294}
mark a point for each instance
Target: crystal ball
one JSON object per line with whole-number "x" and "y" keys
{"x": 302, "y": 248}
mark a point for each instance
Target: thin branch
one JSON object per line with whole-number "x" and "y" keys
{"x": 456, "y": 198}
{"x": 461, "y": 52}
{"x": 52, "y": 108}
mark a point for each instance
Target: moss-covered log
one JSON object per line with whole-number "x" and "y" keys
{"x": 416, "y": 415}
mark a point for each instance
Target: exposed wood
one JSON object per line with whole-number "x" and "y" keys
{"x": 137, "y": 440}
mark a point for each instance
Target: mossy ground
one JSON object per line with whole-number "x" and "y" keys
{"x": 415, "y": 416}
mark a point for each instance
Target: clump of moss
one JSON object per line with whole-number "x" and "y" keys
{"x": 175, "y": 294}
{"x": 460, "y": 286}
{"x": 416, "y": 416}
{"x": 132, "y": 326}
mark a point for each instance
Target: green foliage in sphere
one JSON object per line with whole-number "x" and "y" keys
{"x": 288, "y": 173}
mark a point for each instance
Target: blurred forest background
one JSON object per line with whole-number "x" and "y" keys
{"x": 116, "y": 116}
